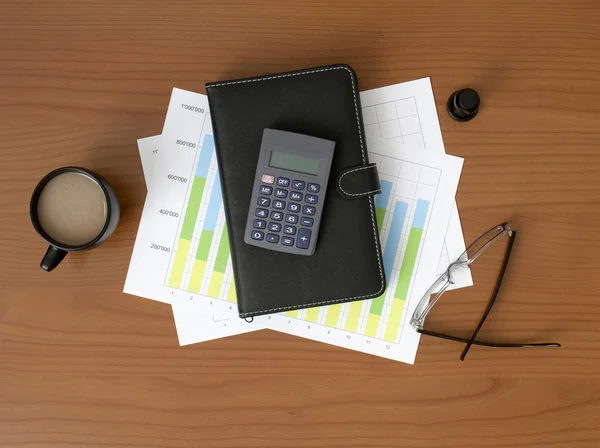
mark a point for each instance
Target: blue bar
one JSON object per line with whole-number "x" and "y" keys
{"x": 393, "y": 239}
{"x": 381, "y": 200}
{"x": 420, "y": 214}
{"x": 208, "y": 147}
{"x": 214, "y": 204}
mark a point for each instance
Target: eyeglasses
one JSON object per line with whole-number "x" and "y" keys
{"x": 440, "y": 286}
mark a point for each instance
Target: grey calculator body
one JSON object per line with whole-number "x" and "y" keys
{"x": 289, "y": 190}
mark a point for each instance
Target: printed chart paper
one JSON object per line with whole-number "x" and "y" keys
{"x": 193, "y": 323}
{"x": 413, "y": 210}
{"x": 181, "y": 253}
{"x": 405, "y": 113}
{"x": 188, "y": 274}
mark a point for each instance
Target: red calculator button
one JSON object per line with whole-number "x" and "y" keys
{"x": 268, "y": 179}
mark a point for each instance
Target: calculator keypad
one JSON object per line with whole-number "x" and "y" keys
{"x": 289, "y": 214}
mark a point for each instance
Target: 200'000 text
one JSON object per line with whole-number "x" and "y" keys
{"x": 159, "y": 247}
{"x": 177, "y": 178}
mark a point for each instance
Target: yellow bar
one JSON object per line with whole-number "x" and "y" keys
{"x": 216, "y": 281}
{"x": 197, "y": 276}
{"x": 372, "y": 325}
{"x": 292, "y": 313}
{"x": 353, "y": 316}
{"x": 181, "y": 254}
{"x": 312, "y": 314}
{"x": 231, "y": 295}
{"x": 333, "y": 315}
{"x": 393, "y": 323}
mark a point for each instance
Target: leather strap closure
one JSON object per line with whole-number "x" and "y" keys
{"x": 358, "y": 181}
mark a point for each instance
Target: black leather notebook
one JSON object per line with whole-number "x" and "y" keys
{"x": 322, "y": 102}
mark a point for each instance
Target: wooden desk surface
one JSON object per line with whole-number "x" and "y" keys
{"x": 84, "y": 365}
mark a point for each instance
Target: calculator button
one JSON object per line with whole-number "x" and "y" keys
{"x": 294, "y": 207}
{"x": 274, "y": 227}
{"x": 303, "y": 239}
{"x": 280, "y": 193}
{"x": 259, "y": 224}
{"x": 287, "y": 241}
{"x": 311, "y": 199}
{"x": 289, "y": 230}
{"x": 267, "y": 179}
{"x": 261, "y": 213}
{"x": 276, "y": 216}
{"x": 283, "y": 182}
{"x": 295, "y": 196}
{"x": 309, "y": 210}
{"x": 272, "y": 238}
{"x": 306, "y": 222}
{"x": 292, "y": 219}
{"x": 265, "y": 189}
{"x": 265, "y": 202}
{"x": 314, "y": 188}
{"x": 298, "y": 185}
{"x": 256, "y": 235}
{"x": 279, "y": 205}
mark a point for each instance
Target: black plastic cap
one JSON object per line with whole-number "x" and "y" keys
{"x": 463, "y": 104}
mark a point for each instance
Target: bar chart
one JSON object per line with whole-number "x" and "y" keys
{"x": 402, "y": 209}
{"x": 201, "y": 260}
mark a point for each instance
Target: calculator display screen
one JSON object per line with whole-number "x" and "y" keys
{"x": 294, "y": 162}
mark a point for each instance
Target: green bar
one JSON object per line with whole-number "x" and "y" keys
{"x": 408, "y": 263}
{"x": 222, "y": 252}
{"x": 377, "y": 305}
{"x": 204, "y": 245}
{"x": 191, "y": 212}
{"x": 380, "y": 214}
{"x": 377, "y": 302}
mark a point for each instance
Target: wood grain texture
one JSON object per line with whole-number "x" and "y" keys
{"x": 83, "y": 365}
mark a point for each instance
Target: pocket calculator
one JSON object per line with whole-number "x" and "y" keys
{"x": 289, "y": 192}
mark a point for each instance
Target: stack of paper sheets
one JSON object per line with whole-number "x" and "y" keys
{"x": 181, "y": 255}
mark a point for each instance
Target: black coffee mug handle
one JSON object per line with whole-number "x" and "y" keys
{"x": 53, "y": 257}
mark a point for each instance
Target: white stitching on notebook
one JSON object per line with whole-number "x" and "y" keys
{"x": 362, "y": 147}
{"x": 364, "y": 193}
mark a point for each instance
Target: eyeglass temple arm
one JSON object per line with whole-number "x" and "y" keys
{"x": 471, "y": 340}
{"x": 488, "y": 344}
